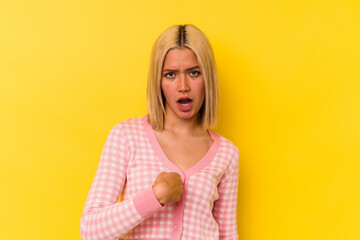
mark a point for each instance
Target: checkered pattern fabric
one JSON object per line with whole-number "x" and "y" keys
{"x": 130, "y": 161}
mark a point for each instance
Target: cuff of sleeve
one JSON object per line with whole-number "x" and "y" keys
{"x": 146, "y": 203}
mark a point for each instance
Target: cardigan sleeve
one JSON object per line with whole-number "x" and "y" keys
{"x": 103, "y": 216}
{"x": 225, "y": 208}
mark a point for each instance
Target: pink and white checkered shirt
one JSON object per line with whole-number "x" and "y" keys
{"x": 130, "y": 161}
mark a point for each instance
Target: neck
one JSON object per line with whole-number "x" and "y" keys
{"x": 182, "y": 126}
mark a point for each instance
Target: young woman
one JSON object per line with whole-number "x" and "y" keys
{"x": 181, "y": 178}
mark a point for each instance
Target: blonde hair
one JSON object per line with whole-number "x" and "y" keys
{"x": 191, "y": 37}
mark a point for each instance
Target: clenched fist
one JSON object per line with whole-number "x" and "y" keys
{"x": 168, "y": 187}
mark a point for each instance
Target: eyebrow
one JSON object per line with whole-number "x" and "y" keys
{"x": 173, "y": 70}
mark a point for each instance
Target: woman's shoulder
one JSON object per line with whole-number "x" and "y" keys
{"x": 226, "y": 144}
{"x": 133, "y": 122}
{"x": 130, "y": 124}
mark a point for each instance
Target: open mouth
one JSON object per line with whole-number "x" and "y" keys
{"x": 184, "y": 102}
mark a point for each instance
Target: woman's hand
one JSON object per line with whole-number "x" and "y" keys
{"x": 168, "y": 187}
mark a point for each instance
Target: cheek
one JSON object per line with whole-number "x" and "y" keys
{"x": 166, "y": 89}
{"x": 200, "y": 89}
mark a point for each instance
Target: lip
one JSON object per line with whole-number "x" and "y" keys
{"x": 184, "y": 98}
{"x": 185, "y": 107}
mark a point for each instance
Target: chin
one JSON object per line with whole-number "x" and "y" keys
{"x": 186, "y": 115}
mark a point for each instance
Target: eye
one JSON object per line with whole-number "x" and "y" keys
{"x": 169, "y": 75}
{"x": 195, "y": 73}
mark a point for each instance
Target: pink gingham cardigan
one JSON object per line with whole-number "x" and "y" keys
{"x": 130, "y": 161}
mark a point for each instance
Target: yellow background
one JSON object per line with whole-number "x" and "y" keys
{"x": 289, "y": 81}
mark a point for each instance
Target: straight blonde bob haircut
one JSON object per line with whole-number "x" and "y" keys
{"x": 177, "y": 37}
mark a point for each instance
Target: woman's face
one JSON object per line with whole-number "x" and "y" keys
{"x": 182, "y": 83}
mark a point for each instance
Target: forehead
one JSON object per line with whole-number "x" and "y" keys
{"x": 183, "y": 57}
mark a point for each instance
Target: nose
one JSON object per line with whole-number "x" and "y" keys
{"x": 183, "y": 85}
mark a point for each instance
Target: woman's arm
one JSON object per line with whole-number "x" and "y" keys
{"x": 103, "y": 216}
{"x": 225, "y": 208}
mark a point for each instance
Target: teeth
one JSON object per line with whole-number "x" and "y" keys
{"x": 184, "y": 104}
